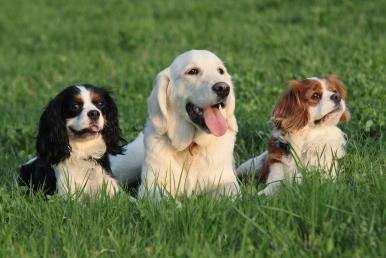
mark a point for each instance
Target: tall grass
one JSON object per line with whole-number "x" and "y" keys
{"x": 47, "y": 45}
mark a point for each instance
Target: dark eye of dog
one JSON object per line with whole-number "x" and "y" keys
{"x": 100, "y": 104}
{"x": 335, "y": 91}
{"x": 193, "y": 71}
{"x": 76, "y": 106}
{"x": 316, "y": 96}
{"x": 220, "y": 70}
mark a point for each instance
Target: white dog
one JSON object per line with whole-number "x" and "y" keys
{"x": 191, "y": 129}
{"x": 305, "y": 133}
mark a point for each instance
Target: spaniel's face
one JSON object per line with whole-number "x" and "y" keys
{"x": 84, "y": 111}
{"x": 202, "y": 90}
{"x": 80, "y": 114}
{"x": 312, "y": 102}
{"x": 327, "y": 101}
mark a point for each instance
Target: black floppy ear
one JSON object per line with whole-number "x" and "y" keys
{"x": 52, "y": 144}
{"x": 111, "y": 132}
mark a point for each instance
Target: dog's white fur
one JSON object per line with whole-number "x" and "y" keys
{"x": 169, "y": 167}
{"x": 127, "y": 167}
{"x": 316, "y": 146}
{"x": 80, "y": 174}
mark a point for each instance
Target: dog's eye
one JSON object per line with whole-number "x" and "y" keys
{"x": 316, "y": 96}
{"x": 76, "y": 106}
{"x": 220, "y": 70}
{"x": 100, "y": 104}
{"x": 193, "y": 71}
{"x": 335, "y": 91}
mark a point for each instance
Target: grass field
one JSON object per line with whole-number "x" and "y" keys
{"x": 47, "y": 45}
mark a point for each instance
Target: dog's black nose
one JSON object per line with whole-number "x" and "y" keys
{"x": 93, "y": 114}
{"x": 221, "y": 89}
{"x": 336, "y": 98}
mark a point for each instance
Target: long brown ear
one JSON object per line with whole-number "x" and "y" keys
{"x": 346, "y": 116}
{"x": 290, "y": 113}
{"x": 334, "y": 82}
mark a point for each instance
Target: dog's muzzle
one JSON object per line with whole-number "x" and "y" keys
{"x": 221, "y": 89}
{"x": 210, "y": 118}
{"x": 92, "y": 129}
{"x": 336, "y": 98}
{"x": 196, "y": 115}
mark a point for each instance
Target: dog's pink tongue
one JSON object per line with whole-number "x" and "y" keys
{"x": 93, "y": 128}
{"x": 215, "y": 121}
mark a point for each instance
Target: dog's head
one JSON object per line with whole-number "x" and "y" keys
{"x": 78, "y": 114}
{"x": 311, "y": 102}
{"x": 194, "y": 95}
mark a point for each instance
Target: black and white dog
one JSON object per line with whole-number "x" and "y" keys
{"x": 78, "y": 139}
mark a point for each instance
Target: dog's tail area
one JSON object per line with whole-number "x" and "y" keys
{"x": 126, "y": 168}
{"x": 37, "y": 176}
{"x": 252, "y": 167}
{"x": 26, "y": 172}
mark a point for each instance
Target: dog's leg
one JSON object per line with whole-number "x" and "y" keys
{"x": 231, "y": 189}
{"x": 252, "y": 166}
{"x": 112, "y": 187}
{"x": 274, "y": 180}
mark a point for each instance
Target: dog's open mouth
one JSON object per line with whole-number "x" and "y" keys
{"x": 209, "y": 118}
{"x": 325, "y": 117}
{"x": 90, "y": 130}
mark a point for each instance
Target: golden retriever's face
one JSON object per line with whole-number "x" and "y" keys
{"x": 194, "y": 93}
{"x": 202, "y": 90}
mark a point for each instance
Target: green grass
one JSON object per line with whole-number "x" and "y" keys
{"x": 47, "y": 45}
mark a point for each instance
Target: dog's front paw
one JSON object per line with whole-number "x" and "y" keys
{"x": 269, "y": 190}
{"x": 264, "y": 192}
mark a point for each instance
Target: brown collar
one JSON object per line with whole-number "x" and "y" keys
{"x": 191, "y": 148}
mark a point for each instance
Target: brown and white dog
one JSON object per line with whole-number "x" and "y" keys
{"x": 305, "y": 131}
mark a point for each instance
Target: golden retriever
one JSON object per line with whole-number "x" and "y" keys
{"x": 191, "y": 130}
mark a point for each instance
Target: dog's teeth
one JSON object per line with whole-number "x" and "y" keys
{"x": 197, "y": 110}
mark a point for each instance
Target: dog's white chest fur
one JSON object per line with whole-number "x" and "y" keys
{"x": 320, "y": 147}
{"x": 203, "y": 169}
{"x": 80, "y": 173}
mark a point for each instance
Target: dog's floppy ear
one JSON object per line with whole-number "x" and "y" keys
{"x": 163, "y": 115}
{"x": 346, "y": 116}
{"x": 52, "y": 144}
{"x": 290, "y": 113}
{"x": 157, "y": 102}
{"x": 111, "y": 132}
